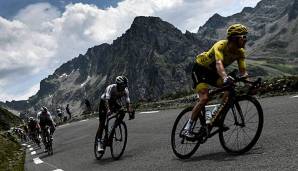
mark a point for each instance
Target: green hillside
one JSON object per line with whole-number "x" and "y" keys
{"x": 7, "y": 119}
{"x": 11, "y": 153}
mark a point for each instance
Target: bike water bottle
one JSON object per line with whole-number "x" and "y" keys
{"x": 208, "y": 116}
{"x": 215, "y": 110}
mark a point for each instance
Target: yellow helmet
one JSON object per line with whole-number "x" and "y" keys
{"x": 236, "y": 29}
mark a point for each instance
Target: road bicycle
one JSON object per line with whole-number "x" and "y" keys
{"x": 239, "y": 123}
{"x": 114, "y": 135}
{"x": 47, "y": 140}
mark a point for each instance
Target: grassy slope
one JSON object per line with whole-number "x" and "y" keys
{"x": 12, "y": 156}
{"x": 8, "y": 119}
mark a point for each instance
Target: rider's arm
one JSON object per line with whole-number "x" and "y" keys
{"x": 127, "y": 99}
{"x": 38, "y": 117}
{"x": 242, "y": 64}
{"x": 107, "y": 106}
{"x": 220, "y": 69}
{"x": 219, "y": 64}
{"x": 51, "y": 118}
{"x": 106, "y": 97}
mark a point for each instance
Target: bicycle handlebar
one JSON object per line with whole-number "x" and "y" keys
{"x": 253, "y": 84}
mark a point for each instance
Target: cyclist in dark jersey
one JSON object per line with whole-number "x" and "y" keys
{"x": 34, "y": 130}
{"x": 45, "y": 119}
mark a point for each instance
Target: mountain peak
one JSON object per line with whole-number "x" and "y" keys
{"x": 141, "y": 20}
{"x": 143, "y": 23}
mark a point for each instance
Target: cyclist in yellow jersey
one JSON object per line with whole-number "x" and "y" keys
{"x": 209, "y": 69}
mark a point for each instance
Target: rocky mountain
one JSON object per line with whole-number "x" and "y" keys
{"x": 157, "y": 57}
{"x": 153, "y": 54}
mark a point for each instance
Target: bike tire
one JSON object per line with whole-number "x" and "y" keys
{"x": 50, "y": 147}
{"x": 119, "y": 137}
{"x": 255, "y": 107}
{"x": 195, "y": 145}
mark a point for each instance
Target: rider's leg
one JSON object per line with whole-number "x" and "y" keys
{"x": 202, "y": 101}
{"x": 102, "y": 118}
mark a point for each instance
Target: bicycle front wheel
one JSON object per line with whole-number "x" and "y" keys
{"x": 181, "y": 147}
{"x": 119, "y": 140}
{"x": 244, "y": 124}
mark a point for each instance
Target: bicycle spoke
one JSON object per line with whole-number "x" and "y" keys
{"x": 251, "y": 117}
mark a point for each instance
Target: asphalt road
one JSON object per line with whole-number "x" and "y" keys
{"x": 149, "y": 148}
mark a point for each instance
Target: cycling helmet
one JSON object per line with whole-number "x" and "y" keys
{"x": 121, "y": 81}
{"x": 236, "y": 29}
{"x": 44, "y": 109}
{"x": 31, "y": 118}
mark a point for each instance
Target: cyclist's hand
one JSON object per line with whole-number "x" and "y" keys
{"x": 109, "y": 112}
{"x": 228, "y": 80}
{"x": 131, "y": 115}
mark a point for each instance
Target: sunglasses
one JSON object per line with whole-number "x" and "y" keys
{"x": 244, "y": 37}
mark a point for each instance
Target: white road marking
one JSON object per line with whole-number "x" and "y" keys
{"x": 28, "y": 146}
{"x": 30, "y": 149}
{"x": 83, "y": 120}
{"x": 294, "y": 96}
{"x": 33, "y": 152}
{"x": 37, "y": 160}
{"x": 149, "y": 112}
{"x": 24, "y": 144}
{"x": 58, "y": 170}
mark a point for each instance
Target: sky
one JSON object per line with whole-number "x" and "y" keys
{"x": 38, "y": 36}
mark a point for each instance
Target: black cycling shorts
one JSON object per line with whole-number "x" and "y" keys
{"x": 200, "y": 74}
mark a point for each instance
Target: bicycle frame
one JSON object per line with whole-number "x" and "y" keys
{"x": 230, "y": 104}
{"x": 118, "y": 116}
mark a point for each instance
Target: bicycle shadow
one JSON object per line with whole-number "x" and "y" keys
{"x": 109, "y": 159}
{"x": 223, "y": 156}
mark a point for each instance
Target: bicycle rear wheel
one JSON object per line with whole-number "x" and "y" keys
{"x": 181, "y": 147}
{"x": 50, "y": 147}
{"x": 245, "y": 123}
{"x": 119, "y": 140}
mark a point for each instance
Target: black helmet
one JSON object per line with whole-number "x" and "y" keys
{"x": 121, "y": 82}
{"x": 44, "y": 109}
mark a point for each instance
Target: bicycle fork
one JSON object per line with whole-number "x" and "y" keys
{"x": 237, "y": 109}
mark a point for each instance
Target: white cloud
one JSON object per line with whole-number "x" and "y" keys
{"x": 40, "y": 38}
{"x": 20, "y": 96}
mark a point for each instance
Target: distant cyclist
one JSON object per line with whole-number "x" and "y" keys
{"x": 34, "y": 130}
{"x": 68, "y": 111}
{"x": 111, "y": 101}
{"x": 44, "y": 118}
{"x": 209, "y": 69}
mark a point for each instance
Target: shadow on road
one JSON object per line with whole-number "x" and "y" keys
{"x": 222, "y": 156}
{"x": 109, "y": 160}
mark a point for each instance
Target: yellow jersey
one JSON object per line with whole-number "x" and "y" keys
{"x": 220, "y": 51}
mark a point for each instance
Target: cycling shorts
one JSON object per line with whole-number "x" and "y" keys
{"x": 202, "y": 77}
